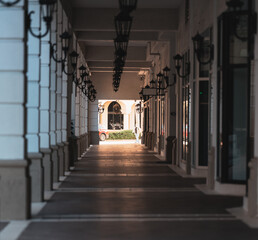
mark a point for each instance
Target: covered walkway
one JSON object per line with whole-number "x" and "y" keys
{"x": 125, "y": 192}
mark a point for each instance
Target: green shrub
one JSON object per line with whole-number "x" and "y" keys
{"x": 124, "y": 134}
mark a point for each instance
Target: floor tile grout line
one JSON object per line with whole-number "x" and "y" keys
{"x": 137, "y": 219}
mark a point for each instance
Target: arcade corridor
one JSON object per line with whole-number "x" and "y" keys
{"x": 177, "y": 77}
{"x": 125, "y": 192}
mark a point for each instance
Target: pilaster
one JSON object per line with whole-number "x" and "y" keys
{"x": 14, "y": 181}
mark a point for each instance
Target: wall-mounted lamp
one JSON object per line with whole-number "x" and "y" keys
{"x": 163, "y": 79}
{"x": 138, "y": 108}
{"x": 73, "y": 56}
{"x": 244, "y": 23}
{"x": 81, "y": 82}
{"x": 101, "y": 109}
{"x": 9, "y": 4}
{"x": 178, "y": 64}
{"x": 65, "y": 38}
{"x": 46, "y": 10}
{"x": 201, "y": 48}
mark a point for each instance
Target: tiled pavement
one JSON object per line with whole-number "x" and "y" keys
{"x": 122, "y": 192}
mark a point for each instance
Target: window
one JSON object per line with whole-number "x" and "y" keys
{"x": 115, "y": 116}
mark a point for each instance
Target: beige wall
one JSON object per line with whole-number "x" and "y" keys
{"x": 129, "y": 87}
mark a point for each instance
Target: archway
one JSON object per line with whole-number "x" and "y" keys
{"x": 115, "y": 116}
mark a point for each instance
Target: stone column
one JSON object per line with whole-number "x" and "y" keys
{"x": 93, "y": 123}
{"x": 253, "y": 165}
{"x": 33, "y": 104}
{"x": 86, "y": 123}
{"x": 77, "y": 119}
{"x": 65, "y": 142}
{"x": 14, "y": 177}
{"x": 53, "y": 105}
{"x": 59, "y": 91}
{"x": 45, "y": 110}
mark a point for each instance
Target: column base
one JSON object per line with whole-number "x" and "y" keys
{"x": 94, "y": 137}
{"x": 73, "y": 150}
{"x": 48, "y": 168}
{"x": 54, "y": 158}
{"x": 37, "y": 177}
{"x": 78, "y": 148}
{"x": 15, "y": 190}
{"x": 66, "y": 157}
{"x": 61, "y": 159}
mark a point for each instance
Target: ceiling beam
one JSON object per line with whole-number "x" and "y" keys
{"x": 99, "y": 53}
{"x": 110, "y": 35}
{"x": 102, "y": 19}
{"x": 109, "y": 64}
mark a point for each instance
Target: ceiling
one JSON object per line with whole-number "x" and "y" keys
{"x": 114, "y": 3}
{"x": 93, "y": 22}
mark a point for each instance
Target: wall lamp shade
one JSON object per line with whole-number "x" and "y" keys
{"x": 178, "y": 64}
{"x": 82, "y": 70}
{"x": 47, "y": 8}
{"x": 201, "y": 47}
{"x": 65, "y": 37}
{"x": 9, "y": 4}
{"x": 127, "y": 5}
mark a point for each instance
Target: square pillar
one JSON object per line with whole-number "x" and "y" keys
{"x": 14, "y": 177}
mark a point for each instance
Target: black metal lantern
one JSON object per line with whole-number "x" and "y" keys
{"x": 73, "y": 57}
{"x": 160, "y": 80}
{"x": 65, "y": 37}
{"x": 82, "y": 70}
{"x": 178, "y": 62}
{"x": 9, "y": 4}
{"x": 166, "y": 70}
{"x": 121, "y": 45}
{"x": 46, "y": 10}
{"x": 153, "y": 84}
{"x": 234, "y": 5}
{"x": 200, "y": 48}
{"x": 243, "y": 22}
{"x": 123, "y": 24}
{"x": 127, "y": 5}
{"x": 138, "y": 108}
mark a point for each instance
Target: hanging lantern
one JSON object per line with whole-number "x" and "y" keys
{"x": 127, "y": 5}
{"x": 123, "y": 24}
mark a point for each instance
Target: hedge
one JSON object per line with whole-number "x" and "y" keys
{"x": 124, "y": 134}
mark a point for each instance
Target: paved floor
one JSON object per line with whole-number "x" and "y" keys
{"x": 122, "y": 192}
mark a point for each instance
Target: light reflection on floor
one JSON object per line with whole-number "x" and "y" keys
{"x": 133, "y": 141}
